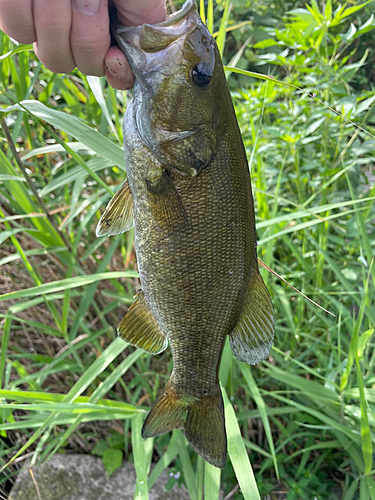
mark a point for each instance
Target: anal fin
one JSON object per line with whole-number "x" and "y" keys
{"x": 118, "y": 215}
{"x": 140, "y": 328}
{"x": 252, "y": 337}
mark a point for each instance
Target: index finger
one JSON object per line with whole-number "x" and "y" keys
{"x": 137, "y": 12}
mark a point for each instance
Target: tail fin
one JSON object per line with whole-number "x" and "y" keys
{"x": 167, "y": 413}
{"x": 205, "y": 429}
{"x": 202, "y": 419}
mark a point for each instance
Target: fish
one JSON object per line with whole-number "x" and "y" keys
{"x": 188, "y": 195}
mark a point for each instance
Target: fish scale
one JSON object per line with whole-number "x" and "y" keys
{"x": 188, "y": 190}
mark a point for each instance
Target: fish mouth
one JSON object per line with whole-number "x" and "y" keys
{"x": 141, "y": 44}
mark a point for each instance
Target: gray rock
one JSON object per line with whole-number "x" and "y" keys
{"x": 83, "y": 477}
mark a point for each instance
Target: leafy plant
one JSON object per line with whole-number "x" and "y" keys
{"x": 110, "y": 451}
{"x": 302, "y": 423}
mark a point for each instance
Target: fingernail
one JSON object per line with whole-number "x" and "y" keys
{"x": 121, "y": 82}
{"x": 87, "y": 7}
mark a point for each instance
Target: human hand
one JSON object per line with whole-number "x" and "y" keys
{"x": 68, "y": 34}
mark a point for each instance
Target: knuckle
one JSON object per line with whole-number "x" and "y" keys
{"x": 55, "y": 31}
{"x": 88, "y": 45}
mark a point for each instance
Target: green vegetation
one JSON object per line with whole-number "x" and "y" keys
{"x": 305, "y": 418}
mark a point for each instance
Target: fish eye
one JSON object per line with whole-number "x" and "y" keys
{"x": 201, "y": 75}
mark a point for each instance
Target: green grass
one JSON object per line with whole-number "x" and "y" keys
{"x": 302, "y": 422}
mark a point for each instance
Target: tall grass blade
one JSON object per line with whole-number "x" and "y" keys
{"x": 140, "y": 459}
{"x": 366, "y": 243}
{"x": 370, "y": 483}
{"x": 103, "y": 388}
{"x": 222, "y": 33}
{"x": 202, "y": 11}
{"x": 76, "y": 128}
{"x": 97, "y": 90}
{"x": 350, "y": 492}
{"x": 56, "y": 286}
{"x": 164, "y": 460}
{"x": 17, "y": 50}
{"x": 212, "y": 476}
{"x": 255, "y": 393}
{"x": 238, "y": 455}
{"x": 210, "y": 16}
{"x": 365, "y": 427}
{"x": 80, "y": 386}
{"x": 4, "y": 346}
{"x": 354, "y": 340}
{"x": 187, "y": 468}
{"x": 89, "y": 295}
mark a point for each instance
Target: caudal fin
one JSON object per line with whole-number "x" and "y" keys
{"x": 205, "y": 429}
{"x": 202, "y": 419}
{"x": 167, "y": 413}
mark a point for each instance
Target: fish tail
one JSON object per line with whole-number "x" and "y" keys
{"x": 202, "y": 419}
{"x": 167, "y": 413}
{"x": 205, "y": 429}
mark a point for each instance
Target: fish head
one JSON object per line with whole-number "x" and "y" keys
{"x": 180, "y": 90}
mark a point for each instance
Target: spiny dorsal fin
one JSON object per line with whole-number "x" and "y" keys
{"x": 118, "y": 216}
{"x": 251, "y": 338}
{"x": 140, "y": 328}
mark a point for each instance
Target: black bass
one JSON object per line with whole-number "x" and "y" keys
{"x": 188, "y": 191}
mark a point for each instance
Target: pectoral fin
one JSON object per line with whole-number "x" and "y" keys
{"x": 140, "y": 328}
{"x": 118, "y": 216}
{"x": 251, "y": 338}
{"x": 166, "y": 203}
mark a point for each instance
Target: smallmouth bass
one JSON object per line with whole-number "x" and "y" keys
{"x": 188, "y": 192}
